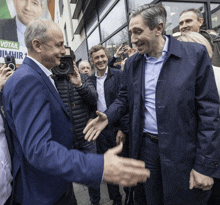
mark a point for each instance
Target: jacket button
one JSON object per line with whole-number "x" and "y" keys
{"x": 215, "y": 164}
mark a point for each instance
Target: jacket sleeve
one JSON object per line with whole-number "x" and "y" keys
{"x": 207, "y": 159}
{"x": 87, "y": 91}
{"x": 120, "y": 106}
{"x": 111, "y": 63}
{"x": 29, "y": 111}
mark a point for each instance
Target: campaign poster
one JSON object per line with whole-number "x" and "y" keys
{"x": 14, "y": 17}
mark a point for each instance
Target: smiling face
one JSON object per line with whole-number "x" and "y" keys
{"x": 100, "y": 60}
{"x": 142, "y": 37}
{"x": 28, "y": 10}
{"x": 53, "y": 49}
{"x": 190, "y": 22}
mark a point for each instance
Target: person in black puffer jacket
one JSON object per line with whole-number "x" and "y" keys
{"x": 80, "y": 100}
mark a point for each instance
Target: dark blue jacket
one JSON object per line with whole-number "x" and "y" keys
{"x": 44, "y": 165}
{"x": 111, "y": 86}
{"x": 187, "y": 107}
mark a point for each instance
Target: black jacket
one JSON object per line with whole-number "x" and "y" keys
{"x": 79, "y": 102}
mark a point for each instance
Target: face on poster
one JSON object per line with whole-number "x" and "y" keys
{"x": 16, "y": 14}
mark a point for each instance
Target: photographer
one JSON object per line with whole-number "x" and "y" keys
{"x": 6, "y": 148}
{"x": 79, "y": 97}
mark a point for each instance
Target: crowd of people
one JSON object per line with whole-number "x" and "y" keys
{"x": 149, "y": 122}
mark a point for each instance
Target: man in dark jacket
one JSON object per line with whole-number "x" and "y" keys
{"x": 170, "y": 91}
{"x": 192, "y": 20}
{"x": 107, "y": 82}
{"x": 79, "y": 97}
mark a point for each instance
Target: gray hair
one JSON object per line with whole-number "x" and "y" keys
{"x": 196, "y": 11}
{"x": 36, "y": 29}
{"x": 153, "y": 14}
{"x": 84, "y": 61}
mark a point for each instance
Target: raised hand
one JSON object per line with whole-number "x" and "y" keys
{"x": 5, "y": 73}
{"x": 123, "y": 171}
{"x": 75, "y": 78}
{"x": 93, "y": 128}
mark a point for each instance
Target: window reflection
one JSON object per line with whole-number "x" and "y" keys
{"x": 113, "y": 43}
{"x": 91, "y": 23}
{"x": 215, "y": 16}
{"x": 173, "y": 14}
{"x": 113, "y": 20}
{"x": 94, "y": 38}
{"x": 134, "y": 4}
{"x": 104, "y": 7}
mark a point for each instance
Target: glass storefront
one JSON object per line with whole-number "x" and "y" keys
{"x": 107, "y": 25}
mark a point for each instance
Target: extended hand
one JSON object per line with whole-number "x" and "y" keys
{"x": 5, "y": 73}
{"x": 93, "y": 129}
{"x": 123, "y": 171}
{"x": 119, "y": 51}
{"x": 120, "y": 137}
{"x": 200, "y": 181}
{"x": 75, "y": 78}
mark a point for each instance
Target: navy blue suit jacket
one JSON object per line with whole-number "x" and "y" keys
{"x": 187, "y": 109}
{"x": 44, "y": 165}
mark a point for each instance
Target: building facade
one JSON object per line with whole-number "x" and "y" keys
{"x": 86, "y": 23}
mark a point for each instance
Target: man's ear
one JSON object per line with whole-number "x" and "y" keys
{"x": 201, "y": 20}
{"x": 37, "y": 45}
{"x": 159, "y": 28}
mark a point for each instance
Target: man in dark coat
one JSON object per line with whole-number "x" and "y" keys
{"x": 170, "y": 91}
{"x": 44, "y": 163}
{"x": 107, "y": 81}
{"x": 192, "y": 20}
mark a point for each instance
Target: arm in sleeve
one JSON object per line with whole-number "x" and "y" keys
{"x": 29, "y": 109}
{"x": 207, "y": 160}
{"x": 87, "y": 91}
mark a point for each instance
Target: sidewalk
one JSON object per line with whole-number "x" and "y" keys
{"x": 82, "y": 195}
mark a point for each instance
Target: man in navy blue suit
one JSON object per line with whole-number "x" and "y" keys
{"x": 44, "y": 163}
{"x": 170, "y": 92}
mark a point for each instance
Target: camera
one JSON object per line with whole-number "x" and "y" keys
{"x": 10, "y": 62}
{"x": 66, "y": 63}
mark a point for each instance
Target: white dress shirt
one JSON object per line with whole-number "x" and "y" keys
{"x": 5, "y": 166}
{"x": 45, "y": 70}
{"x": 101, "y": 103}
{"x": 20, "y": 31}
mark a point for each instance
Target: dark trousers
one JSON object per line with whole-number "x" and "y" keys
{"x": 67, "y": 198}
{"x": 103, "y": 144}
{"x": 89, "y": 147}
{"x": 155, "y": 195}
{"x": 215, "y": 193}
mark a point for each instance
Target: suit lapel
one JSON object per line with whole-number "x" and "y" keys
{"x": 139, "y": 75}
{"x": 47, "y": 82}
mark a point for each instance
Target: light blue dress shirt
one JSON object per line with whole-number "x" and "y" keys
{"x": 152, "y": 71}
{"x": 101, "y": 103}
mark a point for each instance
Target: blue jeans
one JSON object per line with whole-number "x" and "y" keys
{"x": 89, "y": 147}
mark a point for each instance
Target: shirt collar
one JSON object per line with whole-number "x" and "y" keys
{"x": 165, "y": 49}
{"x": 20, "y": 26}
{"x": 106, "y": 72}
{"x": 43, "y": 68}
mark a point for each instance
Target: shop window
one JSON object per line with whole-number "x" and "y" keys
{"x": 173, "y": 14}
{"x": 94, "y": 38}
{"x": 104, "y": 6}
{"x": 115, "y": 19}
{"x": 113, "y": 43}
{"x": 215, "y": 16}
